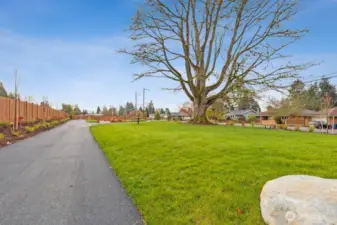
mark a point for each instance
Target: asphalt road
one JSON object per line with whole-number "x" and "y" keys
{"x": 61, "y": 177}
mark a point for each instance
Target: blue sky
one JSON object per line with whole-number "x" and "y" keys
{"x": 66, "y": 50}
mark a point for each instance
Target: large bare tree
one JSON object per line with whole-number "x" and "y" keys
{"x": 212, "y": 48}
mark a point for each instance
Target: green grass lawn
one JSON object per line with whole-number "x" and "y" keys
{"x": 92, "y": 121}
{"x": 193, "y": 174}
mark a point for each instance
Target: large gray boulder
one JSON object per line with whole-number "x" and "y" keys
{"x": 299, "y": 199}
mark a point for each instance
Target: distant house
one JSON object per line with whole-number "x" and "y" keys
{"x": 180, "y": 116}
{"x": 239, "y": 114}
{"x": 331, "y": 114}
{"x": 302, "y": 117}
{"x": 162, "y": 116}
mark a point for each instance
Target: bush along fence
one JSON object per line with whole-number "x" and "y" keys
{"x": 8, "y": 135}
{"x": 12, "y": 110}
{"x": 21, "y": 119}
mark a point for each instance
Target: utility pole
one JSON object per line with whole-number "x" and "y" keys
{"x": 44, "y": 101}
{"x": 136, "y": 104}
{"x": 144, "y": 89}
{"x": 327, "y": 103}
{"x": 16, "y": 86}
{"x": 125, "y": 111}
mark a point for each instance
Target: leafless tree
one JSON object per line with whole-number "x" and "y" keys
{"x": 211, "y": 48}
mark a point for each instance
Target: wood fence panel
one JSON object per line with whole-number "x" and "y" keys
{"x": 28, "y": 111}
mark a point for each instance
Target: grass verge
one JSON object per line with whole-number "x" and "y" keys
{"x": 193, "y": 174}
{"x": 92, "y": 121}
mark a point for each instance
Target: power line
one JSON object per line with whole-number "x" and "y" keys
{"x": 322, "y": 77}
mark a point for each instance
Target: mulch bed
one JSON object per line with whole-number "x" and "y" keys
{"x": 11, "y": 139}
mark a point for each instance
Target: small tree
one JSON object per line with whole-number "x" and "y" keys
{"x": 157, "y": 115}
{"x": 67, "y": 108}
{"x": 251, "y": 118}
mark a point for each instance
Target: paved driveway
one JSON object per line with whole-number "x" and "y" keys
{"x": 61, "y": 177}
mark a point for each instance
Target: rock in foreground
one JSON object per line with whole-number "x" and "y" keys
{"x": 300, "y": 200}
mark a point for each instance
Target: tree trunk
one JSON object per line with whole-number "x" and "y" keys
{"x": 199, "y": 113}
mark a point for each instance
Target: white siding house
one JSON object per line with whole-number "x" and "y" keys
{"x": 240, "y": 114}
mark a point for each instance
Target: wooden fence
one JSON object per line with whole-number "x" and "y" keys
{"x": 100, "y": 117}
{"x": 106, "y": 117}
{"x": 27, "y": 111}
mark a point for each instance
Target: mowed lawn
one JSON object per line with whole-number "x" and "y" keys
{"x": 193, "y": 174}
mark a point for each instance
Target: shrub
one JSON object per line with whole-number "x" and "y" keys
{"x": 30, "y": 122}
{"x": 45, "y": 125}
{"x": 37, "y": 126}
{"x": 5, "y": 124}
{"x": 157, "y": 116}
{"x": 297, "y": 128}
{"x": 15, "y": 133}
{"x": 54, "y": 123}
{"x": 285, "y": 126}
{"x": 251, "y": 118}
{"x": 2, "y": 136}
{"x": 64, "y": 120}
{"x": 278, "y": 120}
{"x": 311, "y": 128}
{"x": 253, "y": 124}
{"x": 230, "y": 123}
{"x": 29, "y": 129}
{"x": 279, "y": 126}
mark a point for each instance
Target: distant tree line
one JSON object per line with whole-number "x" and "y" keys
{"x": 309, "y": 96}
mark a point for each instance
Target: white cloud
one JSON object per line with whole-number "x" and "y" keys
{"x": 87, "y": 73}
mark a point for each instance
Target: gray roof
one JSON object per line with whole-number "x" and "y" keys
{"x": 182, "y": 114}
{"x": 240, "y": 112}
{"x": 304, "y": 112}
{"x": 307, "y": 112}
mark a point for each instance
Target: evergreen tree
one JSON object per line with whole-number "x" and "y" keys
{"x": 77, "y": 110}
{"x": 150, "y": 108}
{"x": 3, "y": 92}
{"x": 168, "y": 114}
{"x": 129, "y": 107}
{"x": 312, "y": 97}
{"x": 105, "y": 110}
{"x": 121, "y": 111}
{"x": 326, "y": 87}
{"x": 246, "y": 101}
{"x": 98, "y": 111}
{"x": 167, "y": 111}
